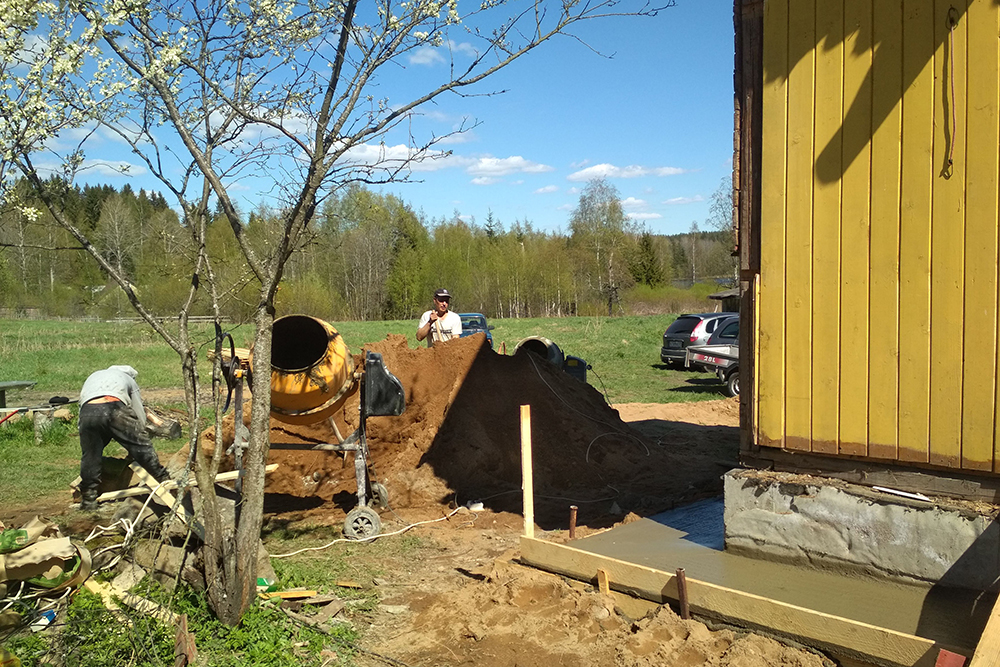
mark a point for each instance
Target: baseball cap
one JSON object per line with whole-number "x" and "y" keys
{"x": 442, "y": 294}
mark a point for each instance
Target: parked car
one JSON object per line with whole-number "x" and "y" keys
{"x": 727, "y": 333}
{"x": 689, "y": 329}
{"x": 473, "y": 323}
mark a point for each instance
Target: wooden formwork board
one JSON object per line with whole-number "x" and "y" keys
{"x": 988, "y": 651}
{"x": 824, "y": 631}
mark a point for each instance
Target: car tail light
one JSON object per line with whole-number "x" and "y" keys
{"x": 697, "y": 331}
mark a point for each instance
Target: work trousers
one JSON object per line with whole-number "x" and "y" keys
{"x": 99, "y": 423}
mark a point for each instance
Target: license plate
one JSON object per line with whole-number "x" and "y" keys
{"x": 674, "y": 344}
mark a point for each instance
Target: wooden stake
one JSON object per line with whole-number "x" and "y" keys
{"x": 682, "y": 594}
{"x": 603, "y": 585}
{"x": 526, "y": 481}
{"x": 572, "y": 522}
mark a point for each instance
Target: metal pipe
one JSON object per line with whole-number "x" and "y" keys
{"x": 572, "y": 522}
{"x": 682, "y": 593}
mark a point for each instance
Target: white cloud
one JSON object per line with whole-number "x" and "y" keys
{"x": 546, "y": 190}
{"x": 644, "y": 216}
{"x": 606, "y": 170}
{"x": 492, "y": 166}
{"x": 426, "y": 55}
{"x": 574, "y": 190}
{"x": 675, "y": 201}
{"x": 581, "y": 163}
{"x": 632, "y": 202}
{"x": 566, "y": 207}
{"x": 393, "y": 156}
{"x": 484, "y": 180}
{"x": 458, "y": 138}
{"x": 465, "y": 48}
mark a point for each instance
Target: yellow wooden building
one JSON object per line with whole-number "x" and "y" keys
{"x": 866, "y": 176}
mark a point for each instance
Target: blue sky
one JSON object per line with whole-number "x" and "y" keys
{"x": 656, "y": 119}
{"x": 644, "y": 102}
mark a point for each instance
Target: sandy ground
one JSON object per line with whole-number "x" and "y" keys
{"x": 464, "y": 599}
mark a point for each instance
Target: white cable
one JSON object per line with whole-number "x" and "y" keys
{"x": 372, "y": 537}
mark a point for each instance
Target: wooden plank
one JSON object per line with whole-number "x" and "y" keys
{"x": 526, "y": 472}
{"x": 916, "y": 174}
{"x": 883, "y": 342}
{"x": 979, "y": 390}
{"x": 798, "y": 227}
{"x": 749, "y": 76}
{"x": 948, "y": 239}
{"x": 170, "y": 485}
{"x": 108, "y": 593}
{"x": 824, "y": 631}
{"x": 824, "y": 335}
{"x": 770, "y": 367}
{"x": 169, "y": 500}
{"x": 988, "y": 651}
{"x": 855, "y": 230}
{"x": 603, "y": 584}
{"x": 287, "y": 595}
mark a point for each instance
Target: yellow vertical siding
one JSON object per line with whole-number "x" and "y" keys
{"x": 825, "y": 316}
{"x": 856, "y": 121}
{"x": 980, "y": 128}
{"x": 771, "y": 301}
{"x": 880, "y": 281}
{"x": 798, "y": 227}
{"x": 886, "y": 151}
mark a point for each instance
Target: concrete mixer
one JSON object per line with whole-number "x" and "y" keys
{"x": 312, "y": 376}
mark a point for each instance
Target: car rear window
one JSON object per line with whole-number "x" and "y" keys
{"x": 683, "y": 325}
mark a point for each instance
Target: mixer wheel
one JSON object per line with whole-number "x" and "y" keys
{"x": 379, "y": 495}
{"x": 362, "y": 522}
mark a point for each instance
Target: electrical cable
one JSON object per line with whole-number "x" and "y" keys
{"x": 371, "y": 537}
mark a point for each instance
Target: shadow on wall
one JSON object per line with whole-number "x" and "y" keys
{"x": 953, "y": 612}
{"x": 901, "y": 67}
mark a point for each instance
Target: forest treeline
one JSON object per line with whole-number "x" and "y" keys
{"x": 369, "y": 256}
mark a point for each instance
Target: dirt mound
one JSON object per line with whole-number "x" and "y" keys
{"x": 459, "y": 438}
{"x": 523, "y": 617}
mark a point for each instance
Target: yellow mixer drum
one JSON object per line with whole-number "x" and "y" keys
{"x": 312, "y": 371}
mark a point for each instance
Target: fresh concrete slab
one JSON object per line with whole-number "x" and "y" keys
{"x": 690, "y": 537}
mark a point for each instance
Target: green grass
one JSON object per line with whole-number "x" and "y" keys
{"x": 91, "y": 636}
{"x": 623, "y": 351}
{"x": 29, "y": 470}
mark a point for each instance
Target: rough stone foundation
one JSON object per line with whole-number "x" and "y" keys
{"x": 830, "y": 523}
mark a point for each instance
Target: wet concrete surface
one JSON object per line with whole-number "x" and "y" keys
{"x": 692, "y": 537}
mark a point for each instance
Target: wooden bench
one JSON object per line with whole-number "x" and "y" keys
{"x": 14, "y": 384}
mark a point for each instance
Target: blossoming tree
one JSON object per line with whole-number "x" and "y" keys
{"x": 204, "y": 93}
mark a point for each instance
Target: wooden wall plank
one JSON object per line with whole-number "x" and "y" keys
{"x": 855, "y": 227}
{"x": 883, "y": 342}
{"x": 980, "y": 129}
{"x": 811, "y": 627}
{"x": 947, "y": 239}
{"x": 824, "y": 335}
{"x": 798, "y": 229}
{"x": 916, "y": 169}
{"x": 770, "y": 395}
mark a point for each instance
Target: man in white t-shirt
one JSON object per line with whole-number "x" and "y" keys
{"x": 439, "y": 324}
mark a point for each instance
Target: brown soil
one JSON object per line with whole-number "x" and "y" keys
{"x": 464, "y": 599}
{"x": 459, "y": 440}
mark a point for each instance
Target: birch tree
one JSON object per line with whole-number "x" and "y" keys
{"x": 208, "y": 92}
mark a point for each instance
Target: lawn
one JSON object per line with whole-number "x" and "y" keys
{"x": 624, "y": 353}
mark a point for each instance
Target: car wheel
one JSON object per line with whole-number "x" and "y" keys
{"x": 733, "y": 383}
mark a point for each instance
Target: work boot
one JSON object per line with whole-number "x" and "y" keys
{"x": 89, "y": 503}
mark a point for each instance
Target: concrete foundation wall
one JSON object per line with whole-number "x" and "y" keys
{"x": 854, "y": 528}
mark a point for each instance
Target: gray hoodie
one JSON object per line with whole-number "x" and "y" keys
{"x": 117, "y": 381}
